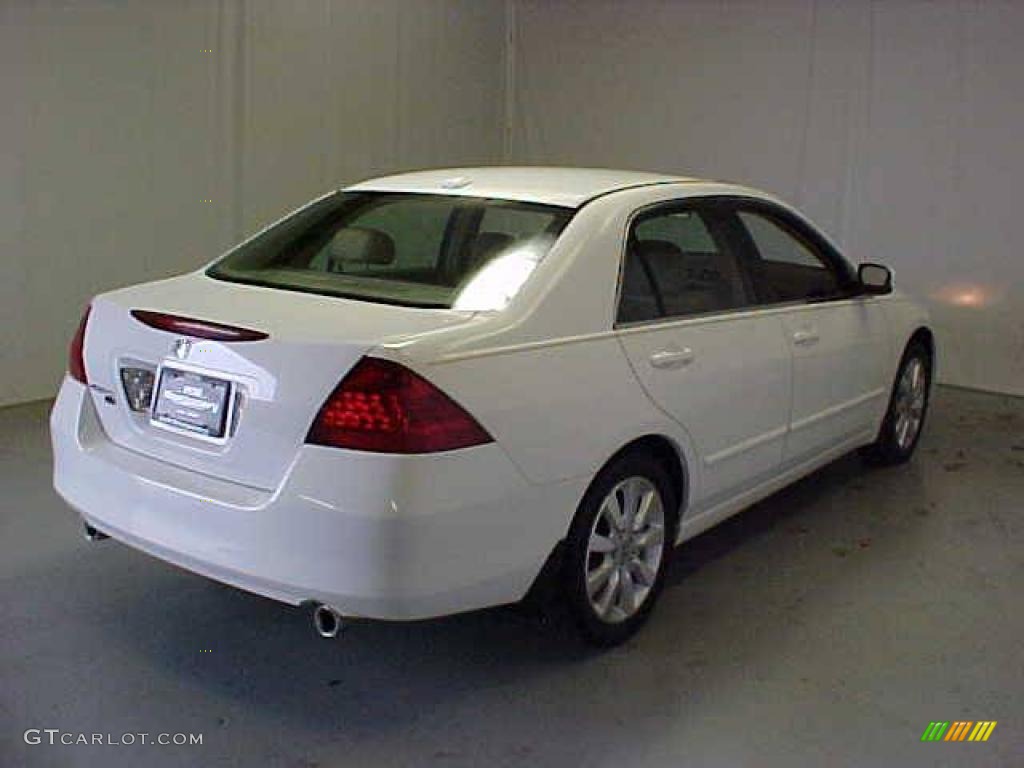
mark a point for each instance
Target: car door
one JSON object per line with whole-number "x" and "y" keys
{"x": 718, "y": 369}
{"x": 837, "y": 338}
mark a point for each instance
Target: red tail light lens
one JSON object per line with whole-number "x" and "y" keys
{"x": 76, "y": 362}
{"x": 384, "y": 407}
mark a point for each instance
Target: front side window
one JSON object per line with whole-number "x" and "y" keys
{"x": 785, "y": 267}
{"x": 675, "y": 267}
{"x": 413, "y": 249}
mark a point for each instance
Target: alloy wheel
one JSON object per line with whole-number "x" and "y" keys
{"x": 625, "y": 549}
{"x": 909, "y": 403}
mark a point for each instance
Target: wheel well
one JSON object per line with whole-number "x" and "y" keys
{"x": 546, "y": 585}
{"x": 665, "y": 451}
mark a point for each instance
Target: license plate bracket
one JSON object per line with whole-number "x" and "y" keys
{"x": 193, "y": 403}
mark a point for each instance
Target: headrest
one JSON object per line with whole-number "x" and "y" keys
{"x": 360, "y": 245}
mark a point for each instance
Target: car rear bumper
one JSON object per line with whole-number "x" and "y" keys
{"x": 372, "y": 535}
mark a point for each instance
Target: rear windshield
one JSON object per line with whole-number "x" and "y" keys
{"x": 413, "y": 249}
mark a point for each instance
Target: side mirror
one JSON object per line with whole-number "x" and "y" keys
{"x": 874, "y": 279}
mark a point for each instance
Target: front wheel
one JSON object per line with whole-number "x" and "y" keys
{"x": 908, "y": 405}
{"x": 618, "y": 548}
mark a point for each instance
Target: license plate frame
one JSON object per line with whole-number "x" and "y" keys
{"x": 181, "y": 398}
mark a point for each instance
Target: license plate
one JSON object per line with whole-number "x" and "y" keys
{"x": 192, "y": 402}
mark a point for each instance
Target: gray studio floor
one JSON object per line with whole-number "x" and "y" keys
{"x": 826, "y": 626}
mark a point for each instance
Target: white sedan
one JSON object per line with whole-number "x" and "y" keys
{"x": 429, "y": 393}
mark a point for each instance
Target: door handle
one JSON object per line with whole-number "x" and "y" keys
{"x": 672, "y": 358}
{"x": 805, "y": 338}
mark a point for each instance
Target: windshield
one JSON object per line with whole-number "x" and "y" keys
{"x": 413, "y": 249}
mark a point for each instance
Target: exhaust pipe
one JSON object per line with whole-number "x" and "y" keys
{"x": 91, "y": 534}
{"x": 327, "y": 621}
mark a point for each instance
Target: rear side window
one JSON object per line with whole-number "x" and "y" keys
{"x": 414, "y": 249}
{"x": 675, "y": 267}
{"x": 786, "y": 267}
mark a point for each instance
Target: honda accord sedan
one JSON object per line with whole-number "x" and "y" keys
{"x": 432, "y": 392}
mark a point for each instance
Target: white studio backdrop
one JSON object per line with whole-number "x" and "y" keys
{"x": 897, "y": 126}
{"x": 140, "y": 139}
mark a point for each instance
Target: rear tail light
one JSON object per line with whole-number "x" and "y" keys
{"x": 76, "y": 361}
{"x": 384, "y": 407}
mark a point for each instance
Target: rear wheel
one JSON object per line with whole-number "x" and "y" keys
{"x": 618, "y": 548}
{"x": 908, "y": 405}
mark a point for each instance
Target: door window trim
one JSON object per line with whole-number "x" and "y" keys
{"x": 706, "y": 208}
{"x": 800, "y": 230}
{"x": 720, "y": 209}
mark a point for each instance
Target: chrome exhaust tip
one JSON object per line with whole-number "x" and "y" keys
{"x": 91, "y": 534}
{"x": 327, "y": 621}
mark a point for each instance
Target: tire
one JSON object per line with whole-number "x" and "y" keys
{"x": 908, "y": 407}
{"x": 631, "y": 559}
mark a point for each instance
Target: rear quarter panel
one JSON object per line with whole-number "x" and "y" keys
{"x": 559, "y": 411}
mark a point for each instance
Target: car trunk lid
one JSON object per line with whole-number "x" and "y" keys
{"x": 273, "y": 386}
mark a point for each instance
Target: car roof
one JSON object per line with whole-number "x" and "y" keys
{"x": 567, "y": 187}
